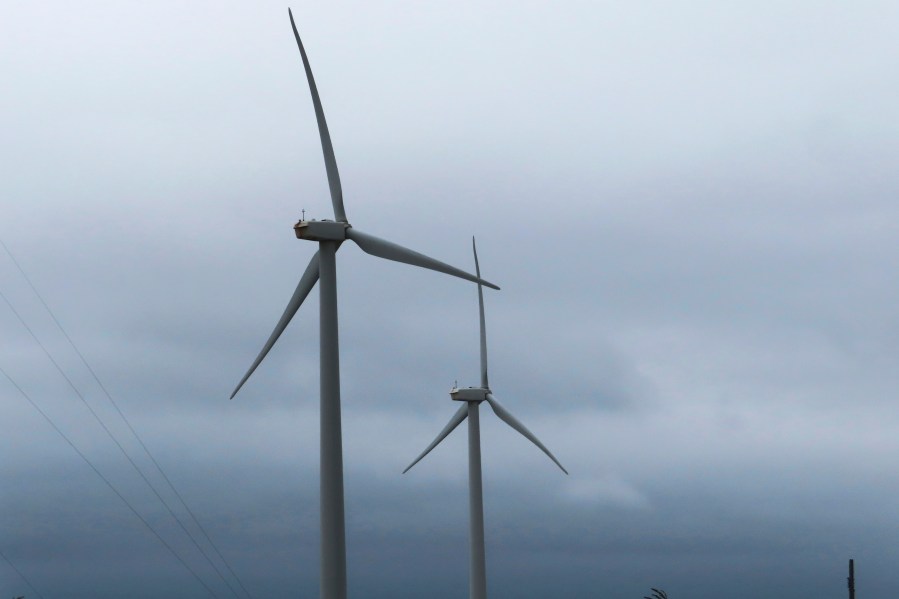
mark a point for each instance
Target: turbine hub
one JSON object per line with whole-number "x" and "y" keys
{"x": 321, "y": 230}
{"x": 478, "y": 394}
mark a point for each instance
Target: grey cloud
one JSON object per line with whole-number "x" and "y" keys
{"x": 689, "y": 209}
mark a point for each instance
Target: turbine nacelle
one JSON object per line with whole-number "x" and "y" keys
{"x": 321, "y": 230}
{"x": 477, "y": 394}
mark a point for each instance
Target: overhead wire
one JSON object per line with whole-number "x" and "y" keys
{"x": 140, "y": 441}
{"x": 105, "y": 480}
{"x": 22, "y": 576}
{"x": 109, "y": 433}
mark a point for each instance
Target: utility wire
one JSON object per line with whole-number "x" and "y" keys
{"x": 105, "y": 480}
{"x": 133, "y": 432}
{"x": 118, "y": 444}
{"x": 22, "y": 576}
{"x": 114, "y": 440}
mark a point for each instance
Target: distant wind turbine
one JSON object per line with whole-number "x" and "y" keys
{"x": 471, "y": 397}
{"x": 322, "y": 268}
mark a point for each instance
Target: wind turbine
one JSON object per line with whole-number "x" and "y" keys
{"x": 322, "y": 268}
{"x": 471, "y": 398}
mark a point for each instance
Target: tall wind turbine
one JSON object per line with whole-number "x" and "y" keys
{"x": 471, "y": 398}
{"x": 322, "y": 268}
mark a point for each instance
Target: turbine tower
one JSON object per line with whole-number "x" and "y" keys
{"x": 471, "y": 398}
{"x": 322, "y": 269}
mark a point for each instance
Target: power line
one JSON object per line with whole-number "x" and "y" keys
{"x": 112, "y": 436}
{"x": 105, "y": 480}
{"x": 22, "y": 576}
{"x": 133, "y": 432}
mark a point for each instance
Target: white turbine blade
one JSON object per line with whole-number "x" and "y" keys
{"x": 391, "y": 251}
{"x": 307, "y": 282}
{"x": 477, "y": 268}
{"x": 457, "y": 418}
{"x": 327, "y": 148}
{"x": 509, "y": 419}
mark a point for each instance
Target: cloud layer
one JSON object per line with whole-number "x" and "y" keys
{"x": 690, "y": 210}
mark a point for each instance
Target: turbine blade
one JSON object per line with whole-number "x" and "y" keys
{"x": 307, "y": 282}
{"x": 509, "y": 419}
{"x": 327, "y": 148}
{"x": 391, "y": 251}
{"x": 457, "y": 418}
{"x": 477, "y": 268}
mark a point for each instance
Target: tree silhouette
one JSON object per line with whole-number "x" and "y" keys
{"x": 657, "y": 594}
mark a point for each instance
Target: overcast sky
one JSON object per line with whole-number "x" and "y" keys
{"x": 690, "y": 208}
